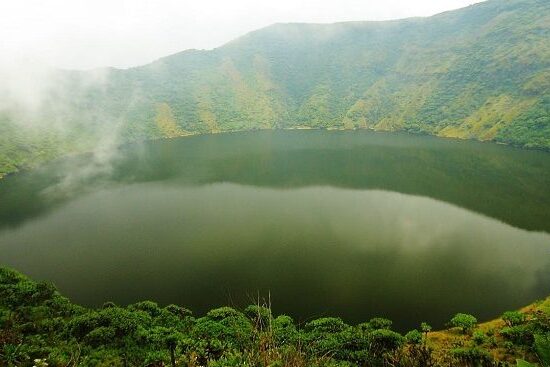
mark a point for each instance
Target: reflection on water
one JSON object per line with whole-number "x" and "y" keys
{"x": 355, "y": 224}
{"x": 498, "y": 181}
{"x": 315, "y": 250}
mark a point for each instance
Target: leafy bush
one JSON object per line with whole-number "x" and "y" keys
{"x": 149, "y": 307}
{"x": 513, "y": 318}
{"x": 413, "y": 337}
{"x": 178, "y": 311}
{"x": 37, "y": 323}
{"x": 464, "y": 321}
{"x": 326, "y": 325}
{"x": 379, "y": 323}
{"x": 479, "y": 337}
{"x": 518, "y": 334}
{"x": 222, "y": 313}
{"x": 425, "y": 328}
{"x": 383, "y": 340}
{"x": 259, "y": 315}
{"x": 100, "y": 336}
{"x": 284, "y": 330}
{"x": 472, "y": 356}
{"x": 542, "y": 347}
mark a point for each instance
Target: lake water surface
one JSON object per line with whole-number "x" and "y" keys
{"x": 352, "y": 224}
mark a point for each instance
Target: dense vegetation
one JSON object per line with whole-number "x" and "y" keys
{"x": 40, "y": 327}
{"x": 480, "y": 72}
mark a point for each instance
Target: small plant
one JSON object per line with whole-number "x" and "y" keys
{"x": 413, "y": 337}
{"x": 13, "y": 355}
{"x": 421, "y": 355}
{"x": 472, "y": 356}
{"x": 492, "y": 341}
{"x": 479, "y": 337}
{"x": 425, "y": 328}
{"x": 509, "y": 346}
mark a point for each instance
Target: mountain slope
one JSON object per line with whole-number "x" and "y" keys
{"x": 481, "y": 72}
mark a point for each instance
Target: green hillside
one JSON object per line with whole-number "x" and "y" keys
{"x": 481, "y": 72}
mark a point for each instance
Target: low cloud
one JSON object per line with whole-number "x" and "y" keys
{"x": 50, "y": 107}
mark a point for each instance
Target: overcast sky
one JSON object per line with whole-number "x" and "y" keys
{"x": 85, "y": 34}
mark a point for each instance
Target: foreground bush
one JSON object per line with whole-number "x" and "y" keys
{"x": 39, "y": 327}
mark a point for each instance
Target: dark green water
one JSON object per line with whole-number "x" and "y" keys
{"x": 353, "y": 224}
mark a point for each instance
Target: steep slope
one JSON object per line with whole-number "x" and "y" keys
{"x": 481, "y": 72}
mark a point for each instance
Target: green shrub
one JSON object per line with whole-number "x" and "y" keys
{"x": 419, "y": 355}
{"x": 326, "y": 325}
{"x": 521, "y": 335}
{"x": 149, "y": 307}
{"x": 472, "y": 356}
{"x": 542, "y": 347}
{"x": 13, "y": 355}
{"x": 284, "y": 330}
{"x": 178, "y": 311}
{"x": 223, "y": 329}
{"x": 513, "y": 318}
{"x": 100, "y": 336}
{"x": 46, "y": 325}
{"x": 492, "y": 341}
{"x": 230, "y": 360}
{"x": 222, "y": 313}
{"x": 479, "y": 337}
{"x": 259, "y": 315}
{"x": 464, "y": 321}
{"x": 509, "y": 346}
{"x": 413, "y": 337}
{"x": 385, "y": 340}
{"x": 379, "y": 323}
{"x": 425, "y": 328}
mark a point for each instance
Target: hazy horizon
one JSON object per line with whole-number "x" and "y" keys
{"x": 84, "y": 35}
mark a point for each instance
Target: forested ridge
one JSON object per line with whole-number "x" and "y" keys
{"x": 480, "y": 72}
{"x": 39, "y": 327}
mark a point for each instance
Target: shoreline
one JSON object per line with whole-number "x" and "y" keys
{"x": 293, "y": 128}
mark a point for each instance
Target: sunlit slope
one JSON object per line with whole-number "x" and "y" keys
{"x": 481, "y": 72}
